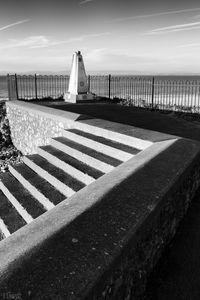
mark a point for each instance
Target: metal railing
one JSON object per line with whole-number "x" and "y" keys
{"x": 150, "y": 92}
{"x": 29, "y": 87}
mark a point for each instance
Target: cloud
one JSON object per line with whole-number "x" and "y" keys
{"x": 175, "y": 28}
{"x": 86, "y": 36}
{"x": 156, "y": 14}
{"x": 103, "y": 60}
{"x": 196, "y": 17}
{"x": 115, "y": 58}
{"x": 14, "y": 24}
{"x": 42, "y": 41}
{"x": 111, "y": 60}
{"x": 191, "y": 45}
{"x": 85, "y": 1}
{"x": 29, "y": 42}
{"x": 96, "y": 55}
{"x": 47, "y": 43}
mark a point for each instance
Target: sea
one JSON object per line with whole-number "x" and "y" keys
{"x": 3, "y": 88}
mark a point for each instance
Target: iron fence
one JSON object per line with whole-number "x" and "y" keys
{"x": 29, "y": 87}
{"x": 150, "y": 92}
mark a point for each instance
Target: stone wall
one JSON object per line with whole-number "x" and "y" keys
{"x": 32, "y": 125}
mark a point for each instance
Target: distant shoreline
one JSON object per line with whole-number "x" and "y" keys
{"x": 116, "y": 73}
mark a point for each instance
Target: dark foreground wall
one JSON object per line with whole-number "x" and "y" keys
{"x": 103, "y": 242}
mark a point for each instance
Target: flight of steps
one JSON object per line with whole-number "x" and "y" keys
{"x": 58, "y": 171}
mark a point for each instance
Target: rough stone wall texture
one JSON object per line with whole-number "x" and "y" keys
{"x": 30, "y": 130}
{"x": 127, "y": 279}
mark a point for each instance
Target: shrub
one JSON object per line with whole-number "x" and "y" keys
{"x": 8, "y": 153}
{"x": 5, "y": 138}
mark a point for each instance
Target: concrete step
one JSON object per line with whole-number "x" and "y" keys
{"x": 4, "y": 232}
{"x": 69, "y": 164}
{"x": 112, "y": 161}
{"x": 20, "y": 198}
{"x": 23, "y": 196}
{"x": 62, "y": 181}
{"x": 59, "y": 170}
{"x": 41, "y": 189}
{"x": 55, "y": 158}
{"x": 113, "y": 135}
{"x": 90, "y": 141}
{"x": 10, "y": 219}
{"x": 89, "y": 156}
{"x": 105, "y": 141}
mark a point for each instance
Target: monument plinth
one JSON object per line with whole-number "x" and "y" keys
{"x": 78, "y": 86}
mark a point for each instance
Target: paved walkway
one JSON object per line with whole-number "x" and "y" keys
{"x": 177, "y": 275}
{"x": 162, "y": 122}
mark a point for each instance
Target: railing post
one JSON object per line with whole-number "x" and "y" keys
{"x": 36, "y": 96}
{"x": 152, "y": 94}
{"x": 109, "y": 85}
{"x": 88, "y": 83}
{"x": 8, "y": 85}
{"x": 16, "y": 87}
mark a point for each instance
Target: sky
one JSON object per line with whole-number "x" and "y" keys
{"x": 114, "y": 36}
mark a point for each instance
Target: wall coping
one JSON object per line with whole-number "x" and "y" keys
{"x": 68, "y": 118}
{"x": 48, "y": 112}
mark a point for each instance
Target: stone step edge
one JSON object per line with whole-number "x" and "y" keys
{"x": 113, "y": 135}
{"x": 20, "y": 209}
{"x": 93, "y": 162}
{"x": 3, "y": 229}
{"x": 60, "y": 186}
{"x": 77, "y": 174}
{"x": 100, "y": 147}
{"x": 47, "y": 204}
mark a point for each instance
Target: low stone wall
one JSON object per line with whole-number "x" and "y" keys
{"x": 103, "y": 242}
{"x": 32, "y": 127}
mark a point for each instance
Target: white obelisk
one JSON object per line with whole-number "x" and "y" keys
{"x": 78, "y": 87}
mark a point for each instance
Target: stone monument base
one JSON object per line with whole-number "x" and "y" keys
{"x": 68, "y": 97}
